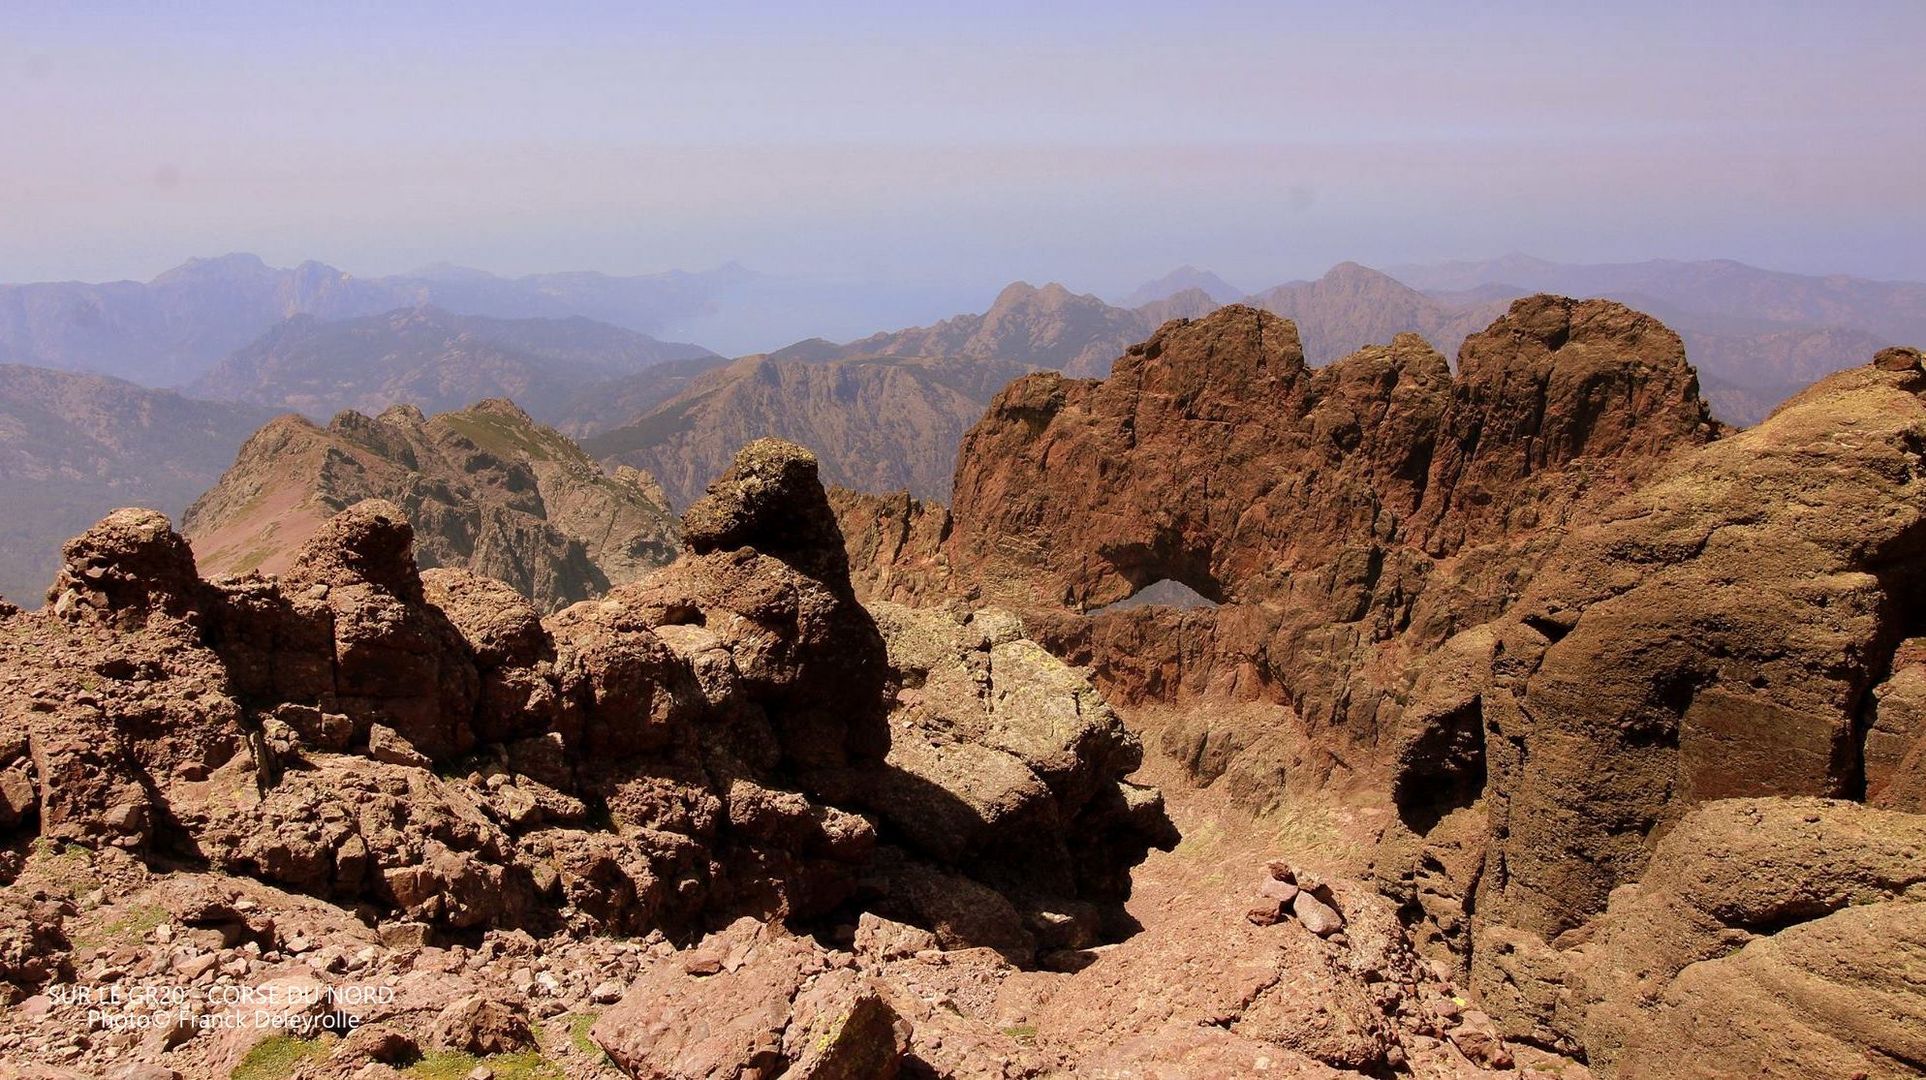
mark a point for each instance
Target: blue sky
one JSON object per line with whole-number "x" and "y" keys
{"x": 966, "y": 145}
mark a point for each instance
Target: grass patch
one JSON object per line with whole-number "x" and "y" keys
{"x": 1314, "y": 829}
{"x": 62, "y": 867}
{"x": 277, "y": 1056}
{"x": 578, "y": 1035}
{"x": 1199, "y": 841}
{"x": 129, "y": 927}
{"x": 1023, "y": 1033}
{"x": 449, "y": 1065}
{"x": 501, "y": 436}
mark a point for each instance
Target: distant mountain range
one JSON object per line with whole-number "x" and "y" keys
{"x": 1352, "y": 306}
{"x": 432, "y": 359}
{"x": 1048, "y": 327}
{"x": 73, "y": 447}
{"x": 1710, "y": 289}
{"x": 876, "y": 424}
{"x": 578, "y": 351}
{"x": 1183, "y": 279}
{"x": 171, "y": 330}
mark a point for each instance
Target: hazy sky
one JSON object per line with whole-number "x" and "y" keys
{"x": 1094, "y": 143}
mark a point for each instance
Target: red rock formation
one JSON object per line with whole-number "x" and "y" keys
{"x": 730, "y": 735}
{"x": 1349, "y": 517}
{"x": 1540, "y": 611}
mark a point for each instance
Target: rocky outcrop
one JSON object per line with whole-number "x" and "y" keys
{"x": 1724, "y": 631}
{"x": 1347, "y": 520}
{"x": 486, "y": 489}
{"x": 732, "y": 735}
{"x": 1295, "y": 468}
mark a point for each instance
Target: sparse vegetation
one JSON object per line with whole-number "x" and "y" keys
{"x": 127, "y": 928}
{"x": 277, "y": 1056}
{"x": 450, "y": 1065}
{"x": 578, "y": 1035}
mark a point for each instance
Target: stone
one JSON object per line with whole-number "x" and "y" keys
{"x": 1316, "y": 916}
{"x": 482, "y": 1025}
{"x": 1897, "y": 358}
{"x": 387, "y": 744}
{"x": 1476, "y": 1037}
{"x": 1281, "y": 891}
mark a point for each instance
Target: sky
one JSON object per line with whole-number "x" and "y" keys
{"x": 963, "y": 145}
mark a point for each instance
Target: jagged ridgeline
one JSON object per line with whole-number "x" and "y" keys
{"x": 483, "y": 488}
{"x": 729, "y": 735}
{"x": 1540, "y": 618}
{"x": 1519, "y": 716}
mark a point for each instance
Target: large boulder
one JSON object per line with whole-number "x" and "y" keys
{"x": 1765, "y": 933}
{"x": 753, "y": 1001}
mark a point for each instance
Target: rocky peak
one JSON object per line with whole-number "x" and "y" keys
{"x": 369, "y": 543}
{"x": 403, "y": 415}
{"x": 500, "y": 407}
{"x": 486, "y": 488}
{"x": 232, "y": 266}
{"x": 1230, "y": 352}
{"x": 130, "y": 563}
{"x": 1903, "y": 359}
{"x": 770, "y": 499}
{"x": 1192, "y": 303}
{"x": 1552, "y": 382}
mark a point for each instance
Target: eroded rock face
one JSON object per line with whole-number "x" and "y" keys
{"x": 734, "y": 735}
{"x": 1765, "y": 935}
{"x": 1719, "y": 633}
{"x": 1348, "y": 519}
{"x": 485, "y": 488}
{"x": 1895, "y": 745}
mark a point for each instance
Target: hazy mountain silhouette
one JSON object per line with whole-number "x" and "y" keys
{"x": 1180, "y": 280}
{"x": 877, "y": 424}
{"x": 433, "y": 359}
{"x": 73, "y": 447}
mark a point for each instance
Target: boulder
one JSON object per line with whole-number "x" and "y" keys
{"x": 1740, "y": 873}
{"x": 478, "y": 1024}
{"x": 753, "y": 1001}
